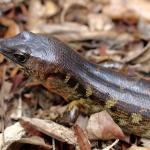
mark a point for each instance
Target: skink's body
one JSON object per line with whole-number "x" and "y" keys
{"x": 68, "y": 74}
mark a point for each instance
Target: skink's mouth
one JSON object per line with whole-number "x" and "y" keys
{"x": 9, "y": 55}
{"x": 3, "y": 48}
{"x": 6, "y": 52}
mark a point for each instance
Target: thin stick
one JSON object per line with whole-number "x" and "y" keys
{"x": 113, "y": 144}
{"x": 2, "y": 107}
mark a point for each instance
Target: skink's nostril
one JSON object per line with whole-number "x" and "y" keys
{"x": 1, "y": 43}
{"x": 4, "y": 45}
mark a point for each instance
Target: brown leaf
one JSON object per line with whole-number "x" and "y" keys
{"x": 13, "y": 28}
{"x": 52, "y": 129}
{"x": 145, "y": 142}
{"x": 134, "y": 147}
{"x": 35, "y": 143}
{"x": 98, "y": 22}
{"x": 16, "y": 81}
{"x": 82, "y": 138}
{"x": 1, "y": 58}
{"x": 14, "y": 72}
{"x": 30, "y": 130}
{"x": 102, "y": 126}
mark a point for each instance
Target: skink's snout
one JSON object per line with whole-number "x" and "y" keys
{"x": 15, "y": 49}
{"x": 4, "y": 48}
{"x": 1, "y": 43}
{"x": 17, "y": 42}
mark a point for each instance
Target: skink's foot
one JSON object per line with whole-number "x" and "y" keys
{"x": 78, "y": 103}
{"x": 75, "y": 108}
{"x": 72, "y": 112}
{"x": 85, "y": 106}
{"x": 69, "y": 117}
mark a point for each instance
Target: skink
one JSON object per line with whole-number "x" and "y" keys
{"x": 65, "y": 72}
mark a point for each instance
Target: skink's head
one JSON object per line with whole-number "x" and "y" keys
{"x": 27, "y": 49}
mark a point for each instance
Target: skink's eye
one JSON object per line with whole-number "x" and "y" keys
{"x": 20, "y": 58}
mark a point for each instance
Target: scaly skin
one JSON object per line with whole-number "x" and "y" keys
{"x": 65, "y": 72}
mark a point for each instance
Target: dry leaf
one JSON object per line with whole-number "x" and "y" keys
{"x": 1, "y": 58}
{"x": 5, "y": 90}
{"x": 16, "y": 81}
{"x": 17, "y": 113}
{"x": 13, "y": 27}
{"x": 115, "y": 9}
{"x": 145, "y": 142}
{"x": 50, "y": 8}
{"x": 140, "y": 7}
{"x": 134, "y": 147}
{"x": 110, "y": 146}
{"x": 99, "y": 22}
{"x": 102, "y": 126}
{"x": 120, "y": 9}
{"x": 34, "y": 141}
{"x": 12, "y": 133}
{"x": 8, "y": 4}
{"x": 144, "y": 28}
{"x": 82, "y": 138}
{"x": 52, "y": 129}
